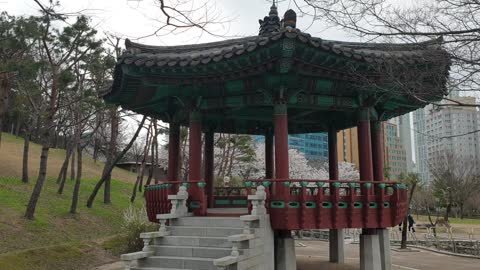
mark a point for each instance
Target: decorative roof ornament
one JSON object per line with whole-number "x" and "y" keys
{"x": 270, "y": 23}
{"x": 289, "y": 19}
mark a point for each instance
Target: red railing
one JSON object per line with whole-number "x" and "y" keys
{"x": 230, "y": 197}
{"x": 156, "y": 198}
{"x": 295, "y": 204}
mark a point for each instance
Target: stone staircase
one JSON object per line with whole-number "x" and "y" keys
{"x": 206, "y": 243}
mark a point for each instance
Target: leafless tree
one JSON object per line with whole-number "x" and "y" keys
{"x": 455, "y": 180}
{"x": 454, "y": 21}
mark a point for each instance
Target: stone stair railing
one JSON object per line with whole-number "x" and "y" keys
{"x": 179, "y": 209}
{"x": 257, "y": 238}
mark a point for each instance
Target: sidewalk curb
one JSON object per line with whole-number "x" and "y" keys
{"x": 444, "y": 252}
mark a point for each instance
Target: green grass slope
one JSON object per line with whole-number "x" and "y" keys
{"x": 11, "y": 154}
{"x": 55, "y": 236}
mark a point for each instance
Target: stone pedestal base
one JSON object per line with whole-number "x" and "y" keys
{"x": 336, "y": 245}
{"x": 385, "y": 256}
{"x": 285, "y": 253}
{"x": 370, "y": 252}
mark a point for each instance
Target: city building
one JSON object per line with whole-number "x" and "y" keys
{"x": 437, "y": 129}
{"x": 421, "y": 145}
{"x": 313, "y": 145}
{"x": 394, "y": 151}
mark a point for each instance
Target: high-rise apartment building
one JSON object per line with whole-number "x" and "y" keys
{"x": 395, "y": 153}
{"x": 446, "y": 129}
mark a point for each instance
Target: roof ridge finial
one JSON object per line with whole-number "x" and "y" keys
{"x": 273, "y": 9}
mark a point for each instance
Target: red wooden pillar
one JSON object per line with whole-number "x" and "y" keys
{"x": 269, "y": 161}
{"x": 366, "y": 165}
{"x": 332, "y": 154}
{"x": 195, "y": 147}
{"x": 208, "y": 155}
{"x": 173, "y": 151}
{"x": 197, "y": 198}
{"x": 281, "y": 141}
{"x": 377, "y": 150}
{"x": 365, "y": 147}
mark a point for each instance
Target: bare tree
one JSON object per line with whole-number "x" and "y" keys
{"x": 455, "y": 21}
{"x": 455, "y": 180}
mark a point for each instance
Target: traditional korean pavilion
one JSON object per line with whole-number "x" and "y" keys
{"x": 279, "y": 82}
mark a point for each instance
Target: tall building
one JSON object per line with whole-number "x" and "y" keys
{"x": 347, "y": 144}
{"x": 436, "y": 129}
{"x": 421, "y": 144}
{"x": 395, "y": 154}
{"x": 444, "y": 123}
{"x": 404, "y": 130}
{"x": 312, "y": 145}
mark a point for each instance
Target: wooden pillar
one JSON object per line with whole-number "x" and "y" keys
{"x": 269, "y": 161}
{"x": 281, "y": 141}
{"x": 369, "y": 243}
{"x": 195, "y": 147}
{"x": 336, "y": 236}
{"x": 209, "y": 174}
{"x": 332, "y": 154}
{"x": 365, "y": 147}
{"x": 173, "y": 151}
{"x": 378, "y": 145}
{"x": 377, "y": 150}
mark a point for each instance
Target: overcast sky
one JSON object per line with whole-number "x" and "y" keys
{"x": 138, "y": 18}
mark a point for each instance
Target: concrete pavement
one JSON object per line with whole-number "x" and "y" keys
{"x": 314, "y": 256}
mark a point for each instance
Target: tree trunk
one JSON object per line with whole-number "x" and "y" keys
{"x": 62, "y": 176}
{"x": 141, "y": 169}
{"x": 76, "y": 189}
{"x": 112, "y": 149}
{"x": 4, "y": 96}
{"x": 403, "y": 244}
{"x": 26, "y": 148}
{"x": 64, "y": 164}
{"x": 72, "y": 165}
{"x": 448, "y": 211}
{"x": 108, "y": 170}
{"x": 42, "y": 172}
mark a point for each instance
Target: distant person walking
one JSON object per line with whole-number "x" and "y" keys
{"x": 411, "y": 223}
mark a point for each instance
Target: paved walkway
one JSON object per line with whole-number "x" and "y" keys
{"x": 314, "y": 256}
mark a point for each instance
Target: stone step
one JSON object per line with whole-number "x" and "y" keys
{"x": 203, "y": 231}
{"x": 206, "y": 241}
{"x": 177, "y": 263}
{"x": 192, "y": 251}
{"x": 230, "y": 222}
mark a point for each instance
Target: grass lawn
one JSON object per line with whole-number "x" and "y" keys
{"x": 11, "y": 154}
{"x": 56, "y": 238}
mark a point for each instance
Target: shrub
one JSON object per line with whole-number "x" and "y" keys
{"x": 135, "y": 221}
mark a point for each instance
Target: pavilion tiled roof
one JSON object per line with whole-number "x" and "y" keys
{"x": 198, "y": 54}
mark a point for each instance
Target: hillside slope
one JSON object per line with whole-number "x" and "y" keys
{"x": 11, "y": 153}
{"x": 56, "y": 238}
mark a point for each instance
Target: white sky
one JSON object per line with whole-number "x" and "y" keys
{"x": 136, "y": 18}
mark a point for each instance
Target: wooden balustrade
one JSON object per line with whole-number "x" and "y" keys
{"x": 325, "y": 204}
